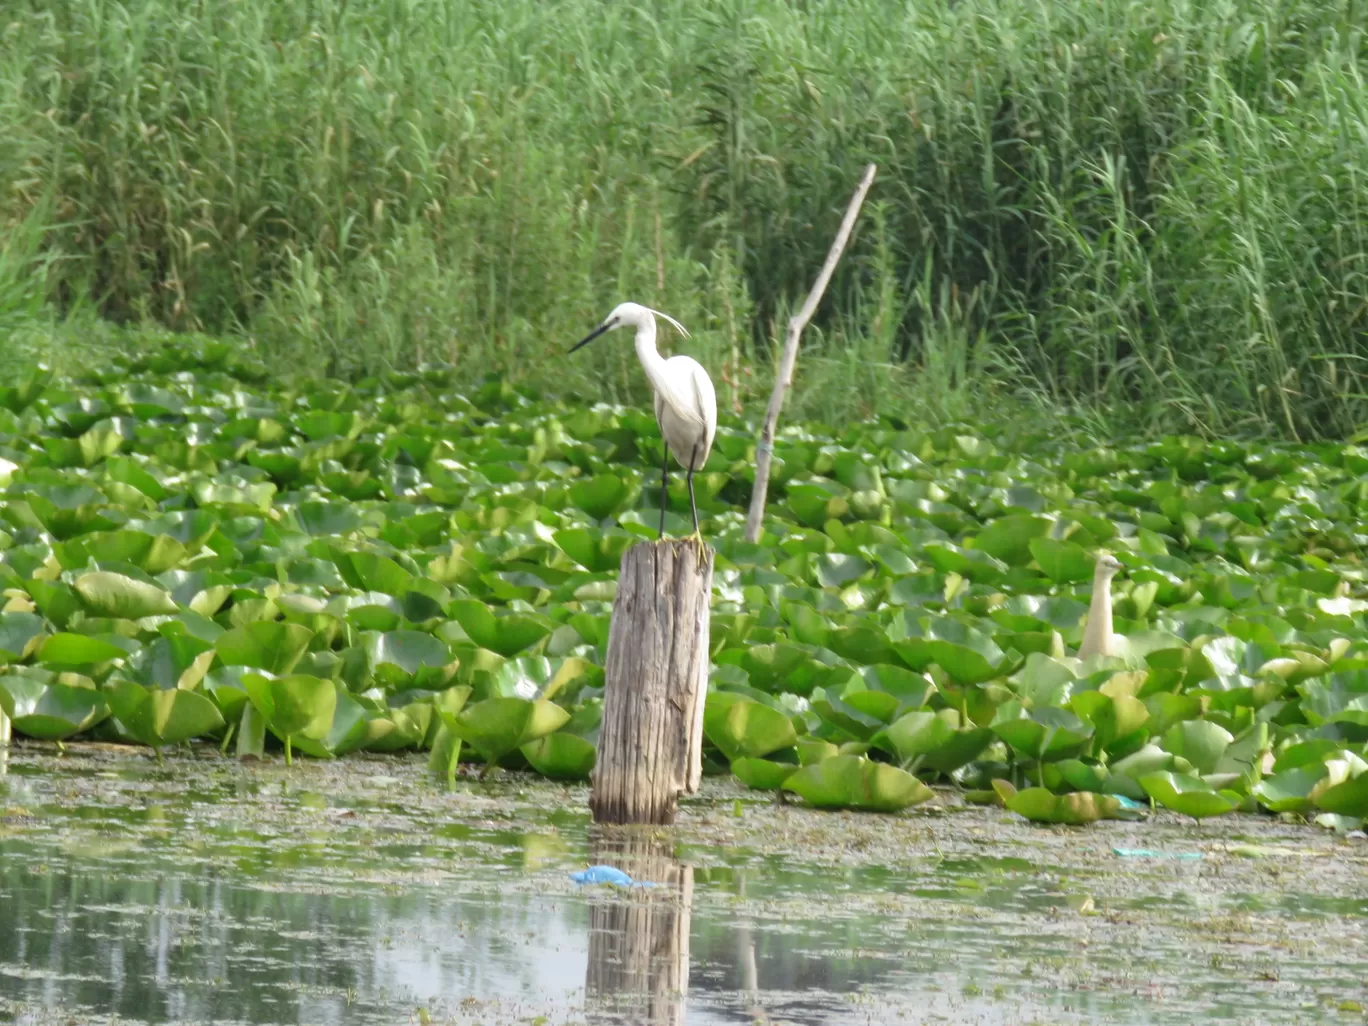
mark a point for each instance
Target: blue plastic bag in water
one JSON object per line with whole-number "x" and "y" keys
{"x": 607, "y": 875}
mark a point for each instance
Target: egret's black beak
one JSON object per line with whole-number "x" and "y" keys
{"x": 605, "y": 326}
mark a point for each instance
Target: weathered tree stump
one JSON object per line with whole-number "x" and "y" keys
{"x": 639, "y": 937}
{"x": 650, "y": 746}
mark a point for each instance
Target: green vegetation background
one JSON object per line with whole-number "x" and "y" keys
{"x": 1150, "y": 212}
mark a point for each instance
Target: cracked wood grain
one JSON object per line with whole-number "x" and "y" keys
{"x": 650, "y": 747}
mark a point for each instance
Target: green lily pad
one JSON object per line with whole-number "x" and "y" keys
{"x": 1010, "y": 538}
{"x": 449, "y": 703}
{"x": 846, "y": 719}
{"x": 498, "y": 726}
{"x": 1046, "y": 733}
{"x": 120, "y": 597}
{"x": 293, "y": 705}
{"x": 1188, "y": 795}
{"x": 1290, "y": 790}
{"x": 1125, "y": 774}
{"x": 158, "y": 717}
{"x": 1347, "y": 798}
{"x": 877, "y": 705}
{"x": 812, "y": 750}
{"x": 63, "y": 649}
{"x": 370, "y": 571}
{"x": 1040, "y": 805}
{"x": 1200, "y": 742}
{"x": 762, "y": 774}
{"x": 561, "y": 756}
{"x": 1082, "y": 776}
{"x": 601, "y": 496}
{"x": 264, "y": 645}
{"x": 741, "y": 728}
{"x": 1043, "y": 680}
{"x": 1062, "y": 561}
{"x": 964, "y": 745}
{"x": 395, "y": 656}
{"x": 177, "y": 661}
{"x": 398, "y": 729}
{"x": 20, "y": 634}
{"x": 42, "y": 706}
{"x": 597, "y": 551}
{"x": 445, "y": 756}
{"x": 507, "y": 635}
{"x": 915, "y": 735}
{"x": 347, "y": 732}
{"x": 853, "y": 782}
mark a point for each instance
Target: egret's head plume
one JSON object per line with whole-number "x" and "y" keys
{"x": 633, "y": 314}
{"x": 677, "y": 326}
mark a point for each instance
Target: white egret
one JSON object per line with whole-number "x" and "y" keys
{"x": 685, "y": 402}
{"x": 1097, "y": 636}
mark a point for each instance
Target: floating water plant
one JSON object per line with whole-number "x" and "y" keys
{"x": 394, "y": 567}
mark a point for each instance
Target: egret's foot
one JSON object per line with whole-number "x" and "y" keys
{"x": 700, "y": 546}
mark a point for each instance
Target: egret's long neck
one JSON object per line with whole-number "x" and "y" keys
{"x": 651, "y": 360}
{"x": 1097, "y": 636}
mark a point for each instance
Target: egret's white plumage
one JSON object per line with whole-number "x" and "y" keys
{"x": 685, "y": 401}
{"x": 1098, "y": 638}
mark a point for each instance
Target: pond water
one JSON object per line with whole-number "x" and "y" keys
{"x": 363, "y": 891}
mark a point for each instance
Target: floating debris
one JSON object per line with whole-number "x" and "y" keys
{"x": 608, "y": 875}
{"x": 1146, "y": 853}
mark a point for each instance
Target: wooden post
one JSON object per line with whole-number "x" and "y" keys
{"x": 638, "y": 967}
{"x": 764, "y": 450}
{"x": 650, "y": 746}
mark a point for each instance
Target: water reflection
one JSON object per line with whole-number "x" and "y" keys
{"x": 639, "y": 939}
{"x": 332, "y": 894}
{"x": 199, "y": 949}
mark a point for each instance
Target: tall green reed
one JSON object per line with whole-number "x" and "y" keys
{"x": 1151, "y": 211}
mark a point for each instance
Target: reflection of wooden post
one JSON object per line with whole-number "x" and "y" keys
{"x": 651, "y": 742}
{"x": 639, "y": 937}
{"x": 750, "y": 970}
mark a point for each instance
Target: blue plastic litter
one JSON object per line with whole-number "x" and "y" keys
{"x": 1145, "y": 853}
{"x": 607, "y": 875}
{"x": 1130, "y": 803}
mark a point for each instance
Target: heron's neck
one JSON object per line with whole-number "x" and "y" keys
{"x": 651, "y": 360}
{"x": 1097, "y": 636}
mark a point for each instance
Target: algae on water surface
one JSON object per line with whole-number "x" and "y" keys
{"x": 362, "y": 891}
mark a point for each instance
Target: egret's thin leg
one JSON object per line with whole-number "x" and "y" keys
{"x": 664, "y": 486}
{"x": 697, "y": 536}
{"x": 693, "y": 508}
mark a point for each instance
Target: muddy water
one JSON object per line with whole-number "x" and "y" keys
{"x": 364, "y": 892}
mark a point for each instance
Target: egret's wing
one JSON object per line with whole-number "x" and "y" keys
{"x": 706, "y": 399}
{"x": 687, "y": 392}
{"x": 675, "y": 390}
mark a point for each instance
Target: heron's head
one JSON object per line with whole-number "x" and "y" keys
{"x": 1108, "y": 566}
{"x": 629, "y": 315}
